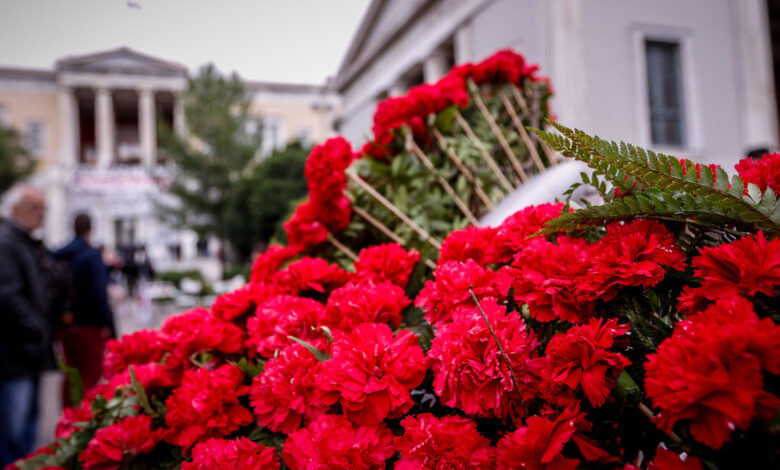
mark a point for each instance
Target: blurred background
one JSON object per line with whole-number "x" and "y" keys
{"x": 181, "y": 127}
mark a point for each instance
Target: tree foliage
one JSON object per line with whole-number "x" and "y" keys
{"x": 220, "y": 145}
{"x": 15, "y": 162}
{"x": 259, "y": 202}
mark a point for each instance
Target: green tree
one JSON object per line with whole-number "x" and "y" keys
{"x": 220, "y": 145}
{"x": 262, "y": 200}
{"x": 15, "y": 162}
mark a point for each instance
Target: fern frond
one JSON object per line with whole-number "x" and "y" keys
{"x": 681, "y": 194}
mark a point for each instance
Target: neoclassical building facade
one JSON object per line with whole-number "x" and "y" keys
{"x": 92, "y": 124}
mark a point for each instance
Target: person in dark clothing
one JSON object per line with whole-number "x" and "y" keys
{"x": 88, "y": 322}
{"x": 25, "y": 321}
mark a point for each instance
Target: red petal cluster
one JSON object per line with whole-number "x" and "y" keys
{"x": 286, "y": 394}
{"x": 304, "y": 229}
{"x": 539, "y": 444}
{"x": 475, "y": 243}
{"x": 468, "y": 368}
{"x": 131, "y": 436}
{"x": 280, "y": 317}
{"x": 310, "y": 274}
{"x": 764, "y": 172}
{"x": 267, "y": 263}
{"x": 709, "y": 372}
{"x": 136, "y": 348}
{"x": 372, "y": 372}
{"x": 513, "y": 232}
{"x": 206, "y": 405}
{"x": 354, "y": 304}
{"x": 198, "y": 330}
{"x": 581, "y": 359}
{"x": 235, "y": 304}
{"x": 332, "y": 442}
{"x": 388, "y": 262}
{"x": 745, "y": 267}
{"x": 450, "y": 289}
{"x": 450, "y": 442}
{"x": 236, "y": 454}
{"x": 666, "y": 459}
{"x": 70, "y": 417}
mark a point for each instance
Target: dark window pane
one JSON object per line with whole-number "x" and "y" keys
{"x": 664, "y": 87}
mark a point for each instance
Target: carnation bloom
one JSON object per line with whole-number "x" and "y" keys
{"x": 286, "y": 394}
{"x": 388, "y": 262}
{"x": 236, "y": 454}
{"x": 131, "y": 436}
{"x": 451, "y": 442}
{"x": 270, "y": 261}
{"x": 206, "y": 405}
{"x": 539, "y": 444}
{"x": 580, "y": 359}
{"x": 763, "y": 172}
{"x": 450, "y": 289}
{"x": 512, "y": 235}
{"x": 310, "y": 274}
{"x": 232, "y": 305}
{"x": 354, "y": 304}
{"x": 280, "y": 317}
{"x": 372, "y": 372}
{"x": 666, "y": 459}
{"x": 333, "y": 442}
{"x": 324, "y": 169}
{"x": 746, "y": 267}
{"x": 304, "y": 229}
{"x": 136, "y": 348}
{"x": 198, "y": 330}
{"x": 468, "y": 368}
{"x": 635, "y": 254}
{"x": 553, "y": 280}
{"x": 72, "y": 416}
{"x": 476, "y": 243}
{"x": 709, "y": 372}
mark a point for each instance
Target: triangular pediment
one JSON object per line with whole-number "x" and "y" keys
{"x": 122, "y": 61}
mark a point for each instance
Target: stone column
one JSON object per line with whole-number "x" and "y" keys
{"x": 463, "y": 43}
{"x": 179, "y": 122}
{"x": 147, "y": 127}
{"x": 104, "y": 127}
{"x": 69, "y": 117}
{"x": 435, "y": 66}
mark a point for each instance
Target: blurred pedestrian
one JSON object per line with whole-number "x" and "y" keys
{"x": 88, "y": 322}
{"x": 25, "y": 320}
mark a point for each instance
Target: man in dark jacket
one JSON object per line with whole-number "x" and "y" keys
{"x": 88, "y": 322}
{"x": 25, "y": 323}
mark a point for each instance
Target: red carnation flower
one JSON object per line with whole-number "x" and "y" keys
{"x": 666, "y": 459}
{"x": 280, "y": 317}
{"x": 581, "y": 358}
{"x": 206, "y": 405}
{"x": 468, "y": 368}
{"x": 371, "y": 373}
{"x": 553, "y": 280}
{"x": 436, "y": 443}
{"x": 311, "y": 274}
{"x": 324, "y": 169}
{"x": 476, "y": 243}
{"x": 151, "y": 376}
{"x": 270, "y": 261}
{"x": 333, "y": 442}
{"x": 198, "y": 330}
{"x": 709, "y": 372}
{"x": 131, "y": 436}
{"x": 745, "y": 267}
{"x": 286, "y": 394}
{"x": 539, "y": 444}
{"x": 72, "y": 416}
{"x": 512, "y": 235}
{"x": 304, "y": 229}
{"x": 450, "y": 289}
{"x": 236, "y": 454}
{"x": 763, "y": 172}
{"x": 388, "y": 262}
{"x": 635, "y": 254}
{"x": 136, "y": 348}
{"x": 232, "y": 305}
{"x": 354, "y": 304}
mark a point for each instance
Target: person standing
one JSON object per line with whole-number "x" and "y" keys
{"x": 88, "y": 321}
{"x": 25, "y": 320}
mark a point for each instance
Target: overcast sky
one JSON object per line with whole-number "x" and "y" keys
{"x": 299, "y": 41}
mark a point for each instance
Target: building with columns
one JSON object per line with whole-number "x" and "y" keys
{"x": 695, "y": 79}
{"x": 92, "y": 123}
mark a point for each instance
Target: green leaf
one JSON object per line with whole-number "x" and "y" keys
{"x": 139, "y": 390}
{"x": 321, "y": 356}
{"x": 626, "y": 388}
{"x": 445, "y": 119}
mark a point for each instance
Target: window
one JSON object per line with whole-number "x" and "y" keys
{"x": 664, "y": 86}
{"x": 34, "y": 137}
{"x": 272, "y": 135}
